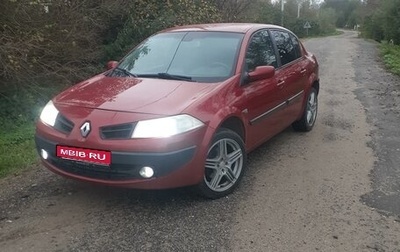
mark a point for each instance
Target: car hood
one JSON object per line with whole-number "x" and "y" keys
{"x": 150, "y": 96}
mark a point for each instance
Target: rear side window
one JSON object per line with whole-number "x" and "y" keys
{"x": 288, "y": 46}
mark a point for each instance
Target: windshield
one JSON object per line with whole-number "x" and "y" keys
{"x": 196, "y": 56}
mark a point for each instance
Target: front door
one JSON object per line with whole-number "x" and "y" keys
{"x": 266, "y": 99}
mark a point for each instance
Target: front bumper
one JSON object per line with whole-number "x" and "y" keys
{"x": 125, "y": 166}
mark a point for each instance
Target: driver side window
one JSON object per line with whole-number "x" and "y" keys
{"x": 260, "y": 51}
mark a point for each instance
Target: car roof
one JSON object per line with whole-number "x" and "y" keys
{"x": 221, "y": 27}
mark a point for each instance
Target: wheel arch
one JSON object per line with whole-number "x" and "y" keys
{"x": 235, "y": 124}
{"x": 315, "y": 85}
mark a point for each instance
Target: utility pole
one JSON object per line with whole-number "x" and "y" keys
{"x": 298, "y": 9}
{"x": 282, "y": 9}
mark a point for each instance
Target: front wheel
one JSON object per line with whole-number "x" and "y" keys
{"x": 224, "y": 166}
{"x": 307, "y": 121}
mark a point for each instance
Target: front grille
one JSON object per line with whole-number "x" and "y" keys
{"x": 113, "y": 172}
{"x": 122, "y": 131}
{"x": 63, "y": 124}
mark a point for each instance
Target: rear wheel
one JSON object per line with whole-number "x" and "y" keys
{"x": 224, "y": 166}
{"x": 307, "y": 121}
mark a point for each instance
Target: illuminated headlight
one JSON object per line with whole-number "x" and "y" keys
{"x": 165, "y": 127}
{"x": 49, "y": 114}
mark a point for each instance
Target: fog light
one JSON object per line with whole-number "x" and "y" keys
{"x": 44, "y": 154}
{"x": 146, "y": 172}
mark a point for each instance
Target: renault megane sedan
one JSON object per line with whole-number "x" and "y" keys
{"x": 183, "y": 108}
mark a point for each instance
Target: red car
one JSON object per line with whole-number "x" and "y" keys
{"x": 183, "y": 108}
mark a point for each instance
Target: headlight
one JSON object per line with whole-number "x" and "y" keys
{"x": 49, "y": 114}
{"x": 165, "y": 127}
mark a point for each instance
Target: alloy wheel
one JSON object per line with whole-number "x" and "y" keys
{"x": 224, "y": 165}
{"x": 312, "y": 104}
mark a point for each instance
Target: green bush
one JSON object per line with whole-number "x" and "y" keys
{"x": 383, "y": 21}
{"x": 391, "y": 57}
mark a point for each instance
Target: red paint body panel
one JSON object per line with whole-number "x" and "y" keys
{"x": 149, "y": 96}
{"x": 263, "y": 107}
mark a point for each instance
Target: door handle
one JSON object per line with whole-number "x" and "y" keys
{"x": 303, "y": 70}
{"x": 280, "y": 83}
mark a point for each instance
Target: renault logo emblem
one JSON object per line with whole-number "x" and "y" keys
{"x": 85, "y": 129}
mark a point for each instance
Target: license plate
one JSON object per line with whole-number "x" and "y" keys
{"x": 85, "y": 155}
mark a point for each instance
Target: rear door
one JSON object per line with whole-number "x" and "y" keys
{"x": 291, "y": 71}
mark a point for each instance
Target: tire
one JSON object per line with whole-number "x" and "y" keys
{"x": 307, "y": 121}
{"x": 224, "y": 166}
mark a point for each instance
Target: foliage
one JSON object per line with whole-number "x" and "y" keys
{"x": 372, "y": 28}
{"x": 382, "y": 20}
{"x": 17, "y": 148}
{"x": 267, "y": 13}
{"x": 236, "y": 10}
{"x": 391, "y": 20}
{"x": 345, "y": 11}
{"x": 327, "y": 19}
{"x": 322, "y": 21}
{"x": 391, "y": 56}
{"x": 147, "y": 17}
{"x": 41, "y": 38}
{"x": 46, "y": 45}
{"x": 22, "y": 105}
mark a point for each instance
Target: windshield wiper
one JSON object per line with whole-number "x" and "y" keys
{"x": 174, "y": 77}
{"x": 126, "y": 72}
{"x": 167, "y": 76}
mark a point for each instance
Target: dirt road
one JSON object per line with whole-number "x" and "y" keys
{"x": 336, "y": 188}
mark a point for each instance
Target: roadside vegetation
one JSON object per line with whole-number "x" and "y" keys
{"x": 45, "y": 46}
{"x": 381, "y": 23}
{"x": 391, "y": 56}
{"x": 17, "y": 148}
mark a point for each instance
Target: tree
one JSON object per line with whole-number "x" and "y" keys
{"x": 52, "y": 39}
{"x": 235, "y": 10}
{"x": 381, "y": 20}
{"x": 345, "y": 11}
{"x": 267, "y": 13}
{"x": 148, "y": 16}
{"x": 391, "y": 20}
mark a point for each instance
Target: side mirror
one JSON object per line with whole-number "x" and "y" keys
{"x": 111, "y": 64}
{"x": 261, "y": 72}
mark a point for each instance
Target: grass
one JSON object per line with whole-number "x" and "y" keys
{"x": 17, "y": 148}
{"x": 19, "y": 108}
{"x": 391, "y": 57}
